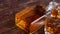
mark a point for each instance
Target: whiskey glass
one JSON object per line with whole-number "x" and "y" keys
{"x": 30, "y": 19}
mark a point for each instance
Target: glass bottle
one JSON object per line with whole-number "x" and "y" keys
{"x": 53, "y": 21}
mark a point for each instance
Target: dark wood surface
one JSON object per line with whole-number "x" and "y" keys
{"x": 8, "y": 9}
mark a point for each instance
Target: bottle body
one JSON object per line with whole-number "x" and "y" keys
{"x": 53, "y": 26}
{"x": 53, "y": 21}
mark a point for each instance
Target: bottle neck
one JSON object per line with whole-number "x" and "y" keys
{"x": 51, "y": 5}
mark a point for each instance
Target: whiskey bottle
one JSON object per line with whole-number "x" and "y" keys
{"x": 53, "y": 21}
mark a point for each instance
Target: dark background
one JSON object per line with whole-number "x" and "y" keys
{"x": 8, "y": 9}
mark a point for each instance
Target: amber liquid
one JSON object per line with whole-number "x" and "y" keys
{"x": 34, "y": 26}
{"x": 27, "y": 16}
{"x": 53, "y": 26}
